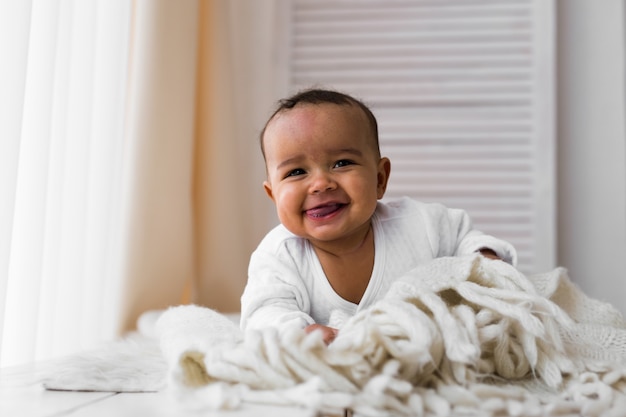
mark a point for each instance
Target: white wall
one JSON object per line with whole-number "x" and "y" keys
{"x": 592, "y": 146}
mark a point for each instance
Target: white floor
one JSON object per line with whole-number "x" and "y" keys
{"x": 22, "y": 395}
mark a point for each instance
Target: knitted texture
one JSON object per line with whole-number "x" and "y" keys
{"x": 459, "y": 336}
{"x": 463, "y": 335}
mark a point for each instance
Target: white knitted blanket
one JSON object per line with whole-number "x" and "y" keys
{"x": 459, "y": 336}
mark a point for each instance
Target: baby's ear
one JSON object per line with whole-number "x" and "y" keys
{"x": 268, "y": 189}
{"x": 384, "y": 169}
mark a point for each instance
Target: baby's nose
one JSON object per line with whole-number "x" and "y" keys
{"x": 323, "y": 182}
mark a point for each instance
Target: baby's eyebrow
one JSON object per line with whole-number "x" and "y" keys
{"x": 353, "y": 151}
{"x": 289, "y": 161}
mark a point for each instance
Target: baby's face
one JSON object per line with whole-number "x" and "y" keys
{"x": 324, "y": 172}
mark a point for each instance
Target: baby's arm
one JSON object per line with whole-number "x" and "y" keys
{"x": 469, "y": 240}
{"x": 275, "y": 295}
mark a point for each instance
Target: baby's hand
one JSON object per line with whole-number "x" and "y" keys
{"x": 328, "y": 333}
{"x": 488, "y": 253}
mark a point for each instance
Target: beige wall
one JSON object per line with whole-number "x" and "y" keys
{"x": 592, "y": 146}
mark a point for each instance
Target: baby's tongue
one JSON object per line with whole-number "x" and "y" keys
{"x": 322, "y": 211}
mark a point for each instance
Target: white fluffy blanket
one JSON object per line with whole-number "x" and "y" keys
{"x": 459, "y": 336}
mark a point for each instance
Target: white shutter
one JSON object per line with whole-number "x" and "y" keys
{"x": 463, "y": 93}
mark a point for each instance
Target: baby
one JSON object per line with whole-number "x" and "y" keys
{"x": 339, "y": 247}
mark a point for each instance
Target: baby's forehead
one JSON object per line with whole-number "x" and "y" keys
{"x": 308, "y": 118}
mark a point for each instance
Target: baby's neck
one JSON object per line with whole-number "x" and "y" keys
{"x": 349, "y": 270}
{"x": 354, "y": 245}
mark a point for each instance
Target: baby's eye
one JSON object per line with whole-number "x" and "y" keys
{"x": 295, "y": 172}
{"x": 343, "y": 163}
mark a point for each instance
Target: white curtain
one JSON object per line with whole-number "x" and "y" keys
{"x": 130, "y": 174}
{"x": 239, "y": 81}
{"x": 156, "y": 250}
{"x": 62, "y": 98}
{"x": 14, "y": 19}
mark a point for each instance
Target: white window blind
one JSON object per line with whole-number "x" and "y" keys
{"x": 463, "y": 91}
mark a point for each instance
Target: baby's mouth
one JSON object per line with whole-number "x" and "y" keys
{"x": 324, "y": 210}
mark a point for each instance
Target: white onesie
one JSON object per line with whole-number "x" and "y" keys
{"x": 287, "y": 286}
